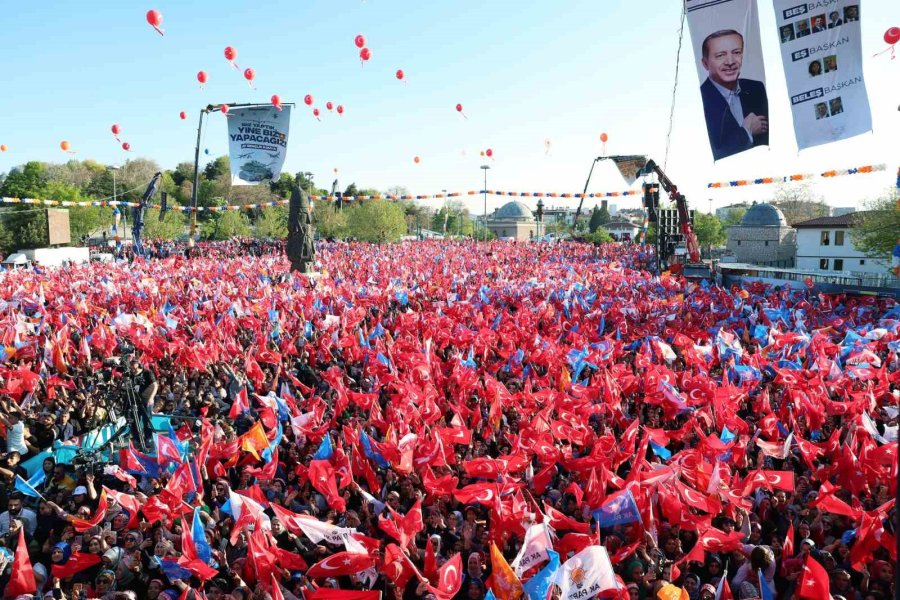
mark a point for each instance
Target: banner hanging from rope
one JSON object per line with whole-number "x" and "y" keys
{"x": 725, "y": 37}
{"x": 821, "y": 48}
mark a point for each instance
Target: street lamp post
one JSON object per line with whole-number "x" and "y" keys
{"x": 485, "y": 168}
{"x": 540, "y": 217}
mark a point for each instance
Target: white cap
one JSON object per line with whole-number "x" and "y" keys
{"x": 80, "y": 490}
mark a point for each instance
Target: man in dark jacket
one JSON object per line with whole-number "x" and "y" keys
{"x": 737, "y": 110}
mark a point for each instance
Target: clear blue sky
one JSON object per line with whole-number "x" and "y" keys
{"x": 524, "y": 71}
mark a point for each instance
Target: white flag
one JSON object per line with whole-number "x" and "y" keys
{"x": 586, "y": 574}
{"x": 534, "y": 549}
{"x": 317, "y": 530}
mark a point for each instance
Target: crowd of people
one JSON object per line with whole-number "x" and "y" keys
{"x": 435, "y": 420}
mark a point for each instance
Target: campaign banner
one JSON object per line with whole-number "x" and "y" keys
{"x": 821, "y": 48}
{"x": 257, "y": 143}
{"x": 728, "y": 52}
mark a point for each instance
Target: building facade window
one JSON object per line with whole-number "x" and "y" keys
{"x": 838, "y": 238}
{"x": 862, "y": 261}
{"x": 825, "y": 240}
{"x": 839, "y": 264}
{"x": 823, "y": 263}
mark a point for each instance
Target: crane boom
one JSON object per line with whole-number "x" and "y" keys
{"x": 684, "y": 217}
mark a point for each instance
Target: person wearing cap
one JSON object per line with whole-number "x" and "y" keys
{"x": 707, "y": 592}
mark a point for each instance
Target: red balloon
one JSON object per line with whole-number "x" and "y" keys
{"x": 154, "y": 18}
{"x": 489, "y": 153}
{"x": 340, "y": 109}
{"x": 249, "y": 74}
{"x": 64, "y": 146}
{"x": 308, "y": 99}
{"x": 276, "y": 101}
{"x": 359, "y": 40}
{"x": 116, "y": 129}
{"x": 224, "y": 109}
{"x": 329, "y": 105}
{"x": 604, "y": 138}
{"x": 892, "y": 35}
{"x": 400, "y": 74}
{"x": 417, "y": 160}
{"x": 459, "y": 108}
{"x": 201, "y": 77}
{"x": 230, "y": 53}
{"x": 365, "y": 54}
{"x": 316, "y": 113}
{"x": 126, "y": 146}
{"x": 183, "y": 115}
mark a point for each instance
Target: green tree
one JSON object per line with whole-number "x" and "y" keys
{"x": 733, "y": 217}
{"x": 709, "y": 230}
{"x": 599, "y": 218}
{"x": 457, "y": 218}
{"x": 376, "y": 221}
{"x": 183, "y": 172}
{"x": 484, "y": 235}
{"x": 599, "y": 236}
{"x": 283, "y": 187}
{"x": 330, "y": 223}
{"x": 876, "y": 230}
{"x": 226, "y": 225}
{"x": 27, "y": 181}
{"x": 272, "y": 223}
{"x": 171, "y": 227}
{"x": 219, "y": 168}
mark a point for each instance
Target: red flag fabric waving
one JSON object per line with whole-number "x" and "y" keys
{"x": 82, "y": 525}
{"x": 325, "y": 593}
{"x": 21, "y": 581}
{"x": 78, "y": 562}
{"x": 449, "y": 579}
{"x": 341, "y": 563}
{"x": 814, "y": 583}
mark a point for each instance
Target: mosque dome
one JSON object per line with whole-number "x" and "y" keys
{"x": 764, "y": 215}
{"x": 514, "y": 211}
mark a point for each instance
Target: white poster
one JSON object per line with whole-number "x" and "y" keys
{"x": 822, "y": 53}
{"x": 728, "y": 53}
{"x": 257, "y": 143}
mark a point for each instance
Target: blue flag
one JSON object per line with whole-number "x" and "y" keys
{"x": 369, "y": 452}
{"x": 537, "y": 587}
{"x": 661, "y": 451}
{"x": 618, "y": 510}
{"x": 726, "y": 435}
{"x": 204, "y": 552}
{"x": 325, "y": 451}
{"x": 29, "y": 487}
{"x": 173, "y": 570}
{"x": 764, "y": 592}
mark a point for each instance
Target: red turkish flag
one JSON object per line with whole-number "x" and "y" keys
{"x": 483, "y": 493}
{"x": 82, "y": 525}
{"x": 770, "y": 480}
{"x": 341, "y": 563}
{"x": 78, "y": 562}
{"x": 814, "y": 583}
{"x": 449, "y": 579}
{"x": 321, "y": 475}
{"x": 21, "y": 581}
{"x": 560, "y": 522}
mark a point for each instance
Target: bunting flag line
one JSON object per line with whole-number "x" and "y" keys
{"x": 863, "y": 170}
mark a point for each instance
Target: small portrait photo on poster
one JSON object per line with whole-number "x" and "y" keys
{"x": 851, "y": 13}
{"x": 818, "y": 23}
{"x": 802, "y": 28}
{"x": 787, "y": 33}
{"x": 837, "y": 106}
{"x": 815, "y": 68}
{"x": 821, "y": 111}
{"x": 834, "y": 19}
{"x": 831, "y": 63}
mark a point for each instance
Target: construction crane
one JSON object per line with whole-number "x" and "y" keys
{"x": 694, "y": 268}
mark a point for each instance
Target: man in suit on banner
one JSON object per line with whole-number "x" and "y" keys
{"x": 737, "y": 110}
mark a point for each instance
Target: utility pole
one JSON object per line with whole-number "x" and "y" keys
{"x": 484, "y": 168}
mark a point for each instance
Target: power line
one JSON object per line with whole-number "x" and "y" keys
{"x": 675, "y": 87}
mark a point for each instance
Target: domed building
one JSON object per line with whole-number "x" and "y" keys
{"x": 513, "y": 220}
{"x": 763, "y": 237}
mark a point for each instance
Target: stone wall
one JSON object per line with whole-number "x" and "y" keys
{"x": 762, "y": 245}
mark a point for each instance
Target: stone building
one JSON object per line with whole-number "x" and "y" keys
{"x": 763, "y": 237}
{"x": 513, "y": 220}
